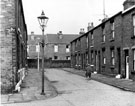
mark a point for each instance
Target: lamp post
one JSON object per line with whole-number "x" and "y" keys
{"x": 42, "y": 21}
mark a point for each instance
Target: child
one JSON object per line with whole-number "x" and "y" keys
{"x": 88, "y": 70}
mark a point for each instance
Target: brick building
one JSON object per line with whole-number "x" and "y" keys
{"x": 32, "y": 47}
{"x": 13, "y": 42}
{"x": 57, "y": 46}
{"x": 110, "y": 45}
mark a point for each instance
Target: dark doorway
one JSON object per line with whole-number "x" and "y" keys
{"x": 119, "y": 60}
{"x": 99, "y": 62}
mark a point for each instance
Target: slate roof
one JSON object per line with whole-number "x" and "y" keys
{"x": 65, "y": 38}
{"x": 52, "y": 39}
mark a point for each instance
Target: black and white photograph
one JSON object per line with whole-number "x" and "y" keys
{"x": 67, "y": 52}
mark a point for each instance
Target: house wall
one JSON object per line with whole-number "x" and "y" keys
{"x": 123, "y": 40}
{"x": 11, "y": 55}
{"x": 128, "y": 41}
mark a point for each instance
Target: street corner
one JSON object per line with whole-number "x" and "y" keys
{"x": 11, "y": 98}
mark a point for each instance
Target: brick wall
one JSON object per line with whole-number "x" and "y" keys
{"x": 13, "y": 38}
{"x": 7, "y": 17}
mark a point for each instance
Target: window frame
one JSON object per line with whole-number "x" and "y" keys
{"x": 67, "y": 48}
{"x": 103, "y": 34}
{"x": 112, "y": 56}
{"x": 56, "y": 48}
{"x": 112, "y": 30}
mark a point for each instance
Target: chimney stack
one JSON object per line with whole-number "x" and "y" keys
{"x": 81, "y": 31}
{"x": 32, "y": 33}
{"x": 60, "y": 35}
{"x": 128, "y": 3}
{"x": 90, "y": 26}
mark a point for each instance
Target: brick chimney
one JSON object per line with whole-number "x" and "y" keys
{"x": 81, "y": 31}
{"x": 128, "y": 3}
{"x": 60, "y": 35}
{"x": 90, "y": 26}
{"x": 32, "y": 33}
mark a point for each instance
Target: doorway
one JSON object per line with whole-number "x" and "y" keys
{"x": 127, "y": 64}
{"x": 119, "y": 60}
{"x": 99, "y": 60}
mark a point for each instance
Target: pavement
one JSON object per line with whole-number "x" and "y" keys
{"x": 124, "y": 84}
{"x": 31, "y": 89}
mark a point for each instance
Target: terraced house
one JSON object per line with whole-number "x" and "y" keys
{"x": 110, "y": 46}
{"x": 13, "y": 43}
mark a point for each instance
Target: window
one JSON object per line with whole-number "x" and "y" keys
{"x": 67, "y": 48}
{"x": 134, "y": 24}
{"x": 134, "y": 59}
{"x": 55, "y": 57}
{"x": 92, "y": 39}
{"x": 103, "y": 35}
{"x": 87, "y": 41}
{"x": 68, "y": 57}
{"x": 112, "y": 57}
{"x": 103, "y": 56}
{"x": 55, "y": 48}
{"x": 28, "y": 48}
{"x": 112, "y": 30}
{"x": 38, "y": 48}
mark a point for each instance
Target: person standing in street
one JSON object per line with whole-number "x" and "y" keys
{"x": 88, "y": 71}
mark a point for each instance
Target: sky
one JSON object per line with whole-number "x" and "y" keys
{"x": 68, "y": 16}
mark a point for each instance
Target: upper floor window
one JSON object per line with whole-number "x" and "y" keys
{"x": 134, "y": 23}
{"x": 112, "y": 30}
{"x": 67, "y": 48}
{"x": 92, "y": 39}
{"x": 55, "y": 48}
{"x": 87, "y": 41}
{"x": 103, "y": 34}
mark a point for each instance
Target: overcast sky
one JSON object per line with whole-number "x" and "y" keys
{"x": 68, "y": 16}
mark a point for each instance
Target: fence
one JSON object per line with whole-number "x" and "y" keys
{"x": 22, "y": 73}
{"x": 32, "y": 63}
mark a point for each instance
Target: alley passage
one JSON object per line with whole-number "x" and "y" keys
{"x": 74, "y": 90}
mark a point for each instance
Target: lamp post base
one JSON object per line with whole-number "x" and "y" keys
{"x": 42, "y": 93}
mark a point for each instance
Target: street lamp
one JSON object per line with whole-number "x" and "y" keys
{"x": 42, "y": 21}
